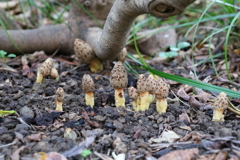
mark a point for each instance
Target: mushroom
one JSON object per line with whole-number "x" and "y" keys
{"x": 122, "y": 55}
{"x": 88, "y": 88}
{"x": 143, "y": 92}
{"x": 119, "y": 81}
{"x": 220, "y": 104}
{"x": 54, "y": 74}
{"x": 151, "y": 86}
{"x": 59, "y": 96}
{"x": 162, "y": 90}
{"x": 132, "y": 92}
{"x": 85, "y": 54}
{"x": 44, "y": 70}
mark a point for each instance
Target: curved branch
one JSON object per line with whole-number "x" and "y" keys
{"x": 110, "y": 43}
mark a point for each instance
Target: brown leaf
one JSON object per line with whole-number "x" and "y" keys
{"x": 207, "y": 157}
{"x": 26, "y": 70}
{"x": 187, "y": 154}
{"x": 222, "y": 155}
{"x": 193, "y": 136}
{"x": 136, "y": 135}
{"x": 49, "y": 156}
{"x": 35, "y": 137}
{"x": 201, "y": 95}
{"x": 15, "y": 155}
{"x": 195, "y": 103}
{"x": 85, "y": 116}
{"x": 185, "y": 118}
{"x": 181, "y": 93}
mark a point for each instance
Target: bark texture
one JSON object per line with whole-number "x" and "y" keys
{"x": 109, "y": 44}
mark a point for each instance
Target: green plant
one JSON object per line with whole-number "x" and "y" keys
{"x": 86, "y": 152}
{"x": 174, "y": 50}
{"x": 4, "y": 55}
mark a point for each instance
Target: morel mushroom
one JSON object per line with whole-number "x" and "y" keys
{"x": 220, "y": 104}
{"x": 88, "y": 88}
{"x": 162, "y": 90}
{"x": 151, "y": 86}
{"x": 122, "y": 55}
{"x": 132, "y": 92}
{"x": 44, "y": 70}
{"x": 54, "y": 74}
{"x": 119, "y": 80}
{"x": 143, "y": 93}
{"x": 86, "y": 55}
{"x": 59, "y": 96}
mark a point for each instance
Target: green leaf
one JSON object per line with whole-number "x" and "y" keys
{"x": 11, "y": 55}
{"x": 183, "y": 45}
{"x": 86, "y": 152}
{"x": 168, "y": 54}
{"x": 163, "y": 54}
{"x": 174, "y": 48}
{"x": 2, "y": 53}
{"x": 195, "y": 83}
{"x": 6, "y": 113}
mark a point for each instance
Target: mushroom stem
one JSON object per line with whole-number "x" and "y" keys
{"x": 40, "y": 77}
{"x": 218, "y": 115}
{"x": 89, "y": 97}
{"x": 161, "y": 105}
{"x": 151, "y": 98}
{"x": 143, "y": 98}
{"x": 119, "y": 98}
{"x": 59, "y": 106}
{"x": 95, "y": 65}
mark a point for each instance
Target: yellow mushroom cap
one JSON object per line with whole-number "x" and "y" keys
{"x": 162, "y": 89}
{"x": 118, "y": 76}
{"x": 46, "y": 67}
{"x": 59, "y": 96}
{"x": 151, "y": 84}
{"x": 87, "y": 83}
{"x": 132, "y": 92}
{"x": 221, "y": 102}
{"x": 83, "y": 51}
{"x": 142, "y": 84}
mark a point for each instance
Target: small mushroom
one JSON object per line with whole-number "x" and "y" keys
{"x": 119, "y": 80}
{"x": 162, "y": 90}
{"x": 122, "y": 55}
{"x": 143, "y": 93}
{"x": 151, "y": 86}
{"x": 88, "y": 88}
{"x": 220, "y": 104}
{"x": 132, "y": 92}
{"x": 44, "y": 70}
{"x": 85, "y": 54}
{"x": 59, "y": 96}
{"x": 54, "y": 74}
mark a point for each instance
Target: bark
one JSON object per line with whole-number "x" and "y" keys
{"x": 109, "y": 44}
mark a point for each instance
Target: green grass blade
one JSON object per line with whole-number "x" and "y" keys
{"x": 194, "y": 83}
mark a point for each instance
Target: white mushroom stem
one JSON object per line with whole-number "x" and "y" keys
{"x": 151, "y": 97}
{"x": 143, "y": 98}
{"x": 119, "y": 97}
{"x": 40, "y": 77}
{"x": 161, "y": 105}
{"x": 89, "y": 98}
{"x": 95, "y": 65}
{"x": 59, "y": 106}
{"x": 218, "y": 115}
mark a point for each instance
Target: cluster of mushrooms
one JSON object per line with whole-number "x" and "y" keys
{"x": 148, "y": 89}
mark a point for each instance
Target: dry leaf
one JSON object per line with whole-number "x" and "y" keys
{"x": 15, "y": 155}
{"x": 187, "y": 154}
{"x": 49, "y": 156}
{"x": 35, "y": 137}
{"x": 184, "y": 118}
{"x": 181, "y": 93}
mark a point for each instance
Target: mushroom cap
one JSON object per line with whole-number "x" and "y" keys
{"x": 118, "y": 76}
{"x": 132, "y": 92}
{"x": 122, "y": 55}
{"x": 221, "y": 102}
{"x": 162, "y": 89}
{"x": 59, "y": 94}
{"x": 83, "y": 51}
{"x": 87, "y": 83}
{"x": 151, "y": 84}
{"x": 142, "y": 84}
{"x": 46, "y": 67}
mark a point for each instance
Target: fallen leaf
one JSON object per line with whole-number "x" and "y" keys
{"x": 186, "y": 128}
{"x": 49, "y": 156}
{"x": 181, "y": 93}
{"x": 35, "y": 137}
{"x": 184, "y": 118}
{"x": 187, "y": 154}
{"x": 15, "y": 155}
{"x": 193, "y": 136}
{"x": 85, "y": 116}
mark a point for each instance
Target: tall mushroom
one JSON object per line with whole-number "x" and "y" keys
{"x": 86, "y": 55}
{"x": 132, "y": 92}
{"x": 220, "y": 104}
{"x": 151, "y": 86}
{"x": 59, "y": 96}
{"x": 44, "y": 70}
{"x": 143, "y": 93}
{"x": 119, "y": 81}
{"x": 88, "y": 88}
{"x": 161, "y": 93}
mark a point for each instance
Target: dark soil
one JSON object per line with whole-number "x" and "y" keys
{"x": 134, "y": 129}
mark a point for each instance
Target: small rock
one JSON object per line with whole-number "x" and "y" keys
{"x": 26, "y": 111}
{"x": 160, "y": 119}
{"x": 99, "y": 118}
{"x": 151, "y": 117}
{"x": 122, "y": 120}
{"x": 118, "y": 125}
{"x": 92, "y": 133}
{"x": 119, "y": 146}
